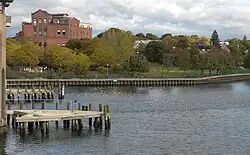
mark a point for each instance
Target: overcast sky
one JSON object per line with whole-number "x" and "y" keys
{"x": 231, "y": 18}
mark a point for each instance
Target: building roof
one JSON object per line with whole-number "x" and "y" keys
{"x": 45, "y": 12}
{"x": 60, "y": 14}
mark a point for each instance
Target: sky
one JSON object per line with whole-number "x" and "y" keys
{"x": 231, "y": 18}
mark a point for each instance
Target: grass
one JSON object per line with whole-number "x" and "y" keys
{"x": 156, "y": 71}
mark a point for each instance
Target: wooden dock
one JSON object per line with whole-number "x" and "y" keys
{"x": 74, "y": 118}
{"x": 26, "y": 116}
{"x": 27, "y": 91}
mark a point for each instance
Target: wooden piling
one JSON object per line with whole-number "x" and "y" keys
{"x": 105, "y": 116}
{"x": 79, "y": 121}
{"x": 8, "y": 119}
{"x": 47, "y": 127}
{"x": 57, "y": 107}
{"x": 68, "y": 121}
{"x": 90, "y": 119}
{"x": 108, "y": 117}
{"x": 43, "y": 105}
{"x": 13, "y": 121}
{"x": 30, "y": 126}
{"x": 100, "y": 118}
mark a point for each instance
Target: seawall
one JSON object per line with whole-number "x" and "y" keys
{"x": 11, "y": 83}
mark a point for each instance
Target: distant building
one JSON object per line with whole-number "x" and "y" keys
{"x": 54, "y": 29}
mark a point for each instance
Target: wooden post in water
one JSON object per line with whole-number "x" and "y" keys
{"x": 47, "y": 127}
{"x": 68, "y": 121}
{"x": 90, "y": 119}
{"x": 100, "y": 110}
{"x": 13, "y": 121}
{"x": 105, "y": 117}
{"x": 59, "y": 92}
{"x": 57, "y": 107}
{"x": 108, "y": 117}
{"x": 41, "y": 128}
{"x": 80, "y": 125}
{"x": 8, "y": 119}
{"x": 30, "y": 126}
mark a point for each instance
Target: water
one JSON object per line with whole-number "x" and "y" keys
{"x": 208, "y": 119}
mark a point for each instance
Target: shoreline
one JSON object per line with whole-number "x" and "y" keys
{"x": 128, "y": 81}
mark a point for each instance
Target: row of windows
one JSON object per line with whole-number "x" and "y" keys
{"x": 60, "y": 44}
{"x": 40, "y": 33}
{"x": 39, "y": 21}
{"x": 61, "y": 33}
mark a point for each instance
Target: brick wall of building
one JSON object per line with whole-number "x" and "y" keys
{"x": 55, "y": 29}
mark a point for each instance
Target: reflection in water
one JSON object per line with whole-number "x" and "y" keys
{"x": 3, "y": 139}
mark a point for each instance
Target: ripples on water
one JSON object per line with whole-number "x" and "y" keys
{"x": 208, "y": 119}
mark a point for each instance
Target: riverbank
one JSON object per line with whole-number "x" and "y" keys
{"x": 127, "y": 81}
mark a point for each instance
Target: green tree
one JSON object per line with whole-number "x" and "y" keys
{"x": 121, "y": 42}
{"x": 136, "y": 63}
{"x": 61, "y": 58}
{"x": 215, "y": 39}
{"x": 165, "y": 36}
{"x": 182, "y": 58}
{"x": 103, "y": 54}
{"x": 151, "y": 36}
{"x": 156, "y": 51}
{"x": 140, "y": 36}
{"x": 81, "y": 63}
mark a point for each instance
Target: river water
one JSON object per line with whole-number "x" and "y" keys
{"x": 207, "y": 119}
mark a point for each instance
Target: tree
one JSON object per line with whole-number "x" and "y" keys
{"x": 103, "y": 54}
{"x": 11, "y": 56}
{"x": 165, "y": 36}
{"x": 244, "y": 38}
{"x": 156, "y": 51}
{"x": 182, "y": 41}
{"x": 121, "y": 42}
{"x": 215, "y": 39}
{"x": 247, "y": 61}
{"x": 151, "y": 36}
{"x": 140, "y": 36}
{"x": 81, "y": 64}
{"x": 81, "y": 45}
{"x": 136, "y": 63}
{"x": 61, "y": 58}
{"x": 182, "y": 58}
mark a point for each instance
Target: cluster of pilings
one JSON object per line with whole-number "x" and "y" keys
{"x": 26, "y": 95}
{"x": 98, "y": 121}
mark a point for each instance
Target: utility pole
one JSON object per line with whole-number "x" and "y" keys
{"x": 3, "y": 4}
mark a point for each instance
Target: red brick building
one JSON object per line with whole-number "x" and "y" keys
{"x": 54, "y": 29}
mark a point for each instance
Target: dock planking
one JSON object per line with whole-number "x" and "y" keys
{"x": 51, "y": 115}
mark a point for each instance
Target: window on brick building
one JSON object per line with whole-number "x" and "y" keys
{"x": 45, "y": 21}
{"x": 40, "y": 26}
{"x": 34, "y": 33}
{"x": 63, "y": 33}
{"x": 58, "y": 33}
{"x": 45, "y": 33}
{"x": 34, "y": 21}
